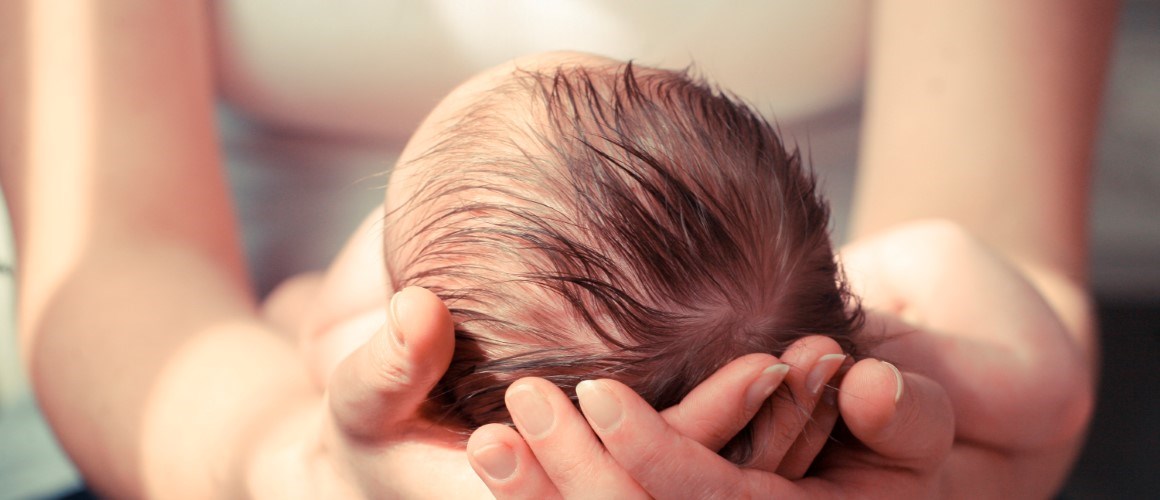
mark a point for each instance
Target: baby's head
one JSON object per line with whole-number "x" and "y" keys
{"x": 603, "y": 220}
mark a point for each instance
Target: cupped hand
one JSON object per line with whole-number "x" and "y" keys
{"x": 987, "y": 361}
{"x": 620, "y": 446}
{"x": 371, "y": 439}
{"x": 367, "y": 437}
{"x": 1006, "y": 342}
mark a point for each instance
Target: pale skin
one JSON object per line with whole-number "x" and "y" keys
{"x": 149, "y": 354}
{"x": 983, "y": 117}
{"x": 343, "y": 307}
{"x": 336, "y": 313}
{"x": 143, "y": 219}
{"x": 981, "y": 114}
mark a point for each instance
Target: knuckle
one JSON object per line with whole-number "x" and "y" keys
{"x": 575, "y": 472}
{"x": 644, "y": 457}
{"x": 386, "y": 368}
{"x": 711, "y": 429}
{"x": 643, "y": 460}
{"x": 734, "y": 489}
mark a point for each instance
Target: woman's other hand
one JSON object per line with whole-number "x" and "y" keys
{"x": 368, "y": 438}
{"x": 621, "y": 446}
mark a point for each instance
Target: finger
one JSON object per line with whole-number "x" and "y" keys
{"x": 809, "y": 444}
{"x": 323, "y": 353}
{"x": 664, "y": 462}
{"x": 905, "y": 418}
{"x": 717, "y": 409}
{"x": 813, "y": 361}
{"x": 388, "y": 378}
{"x": 564, "y": 444}
{"x": 507, "y": 466}
{"x": 905, "y": 428}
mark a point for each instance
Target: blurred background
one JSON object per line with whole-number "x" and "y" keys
{"x": 307, "y": 145}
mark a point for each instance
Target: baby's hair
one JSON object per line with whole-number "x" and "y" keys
{"x": 638, "y": 225}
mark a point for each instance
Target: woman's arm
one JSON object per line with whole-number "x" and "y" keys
{"x": 135, "y": 316}
{"x": 981, "y": 113}
{"x": 984, "y": 113}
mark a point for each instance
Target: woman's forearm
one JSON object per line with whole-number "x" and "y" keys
{"x": 114, "y": 143}
{"x": 136, "y": 320}
{"x": 984, "y": 113}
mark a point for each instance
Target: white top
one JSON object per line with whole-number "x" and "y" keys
{"x": 374, "y": 68}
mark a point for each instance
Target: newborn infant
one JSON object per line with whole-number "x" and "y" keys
{"x": 604, "y": 220}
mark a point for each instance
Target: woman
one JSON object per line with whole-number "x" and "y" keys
{"x": 122, "y": 112}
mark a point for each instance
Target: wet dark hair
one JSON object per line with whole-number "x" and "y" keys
{"x": 639, "y": 225}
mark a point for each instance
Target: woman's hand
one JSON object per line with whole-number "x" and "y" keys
{"x": 1014, "y": 366}
{"x": 622, "y": 446}
{"x": 896, "y": 449}
{"x": 1019, "y": 387}
{"x": 369, "y": 438}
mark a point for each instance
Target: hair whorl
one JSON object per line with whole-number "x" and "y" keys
{"x": 639, "y": 225}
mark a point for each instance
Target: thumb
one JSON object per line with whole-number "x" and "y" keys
{"x": 386, "y": 379}
{"x": 904, "y": 418}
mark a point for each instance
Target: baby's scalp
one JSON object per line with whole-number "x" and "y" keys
{"x": 614, "y": 222}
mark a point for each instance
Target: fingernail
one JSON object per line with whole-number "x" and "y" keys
{"x": 897, "y": 379}
{"x": 764, "y": 385}
{"x": 531, "y": 410}
{"x": 497, "y": 460}
{"x": 823, "y": 370}
{"x": 600, "y": 405}
{"x": 395, "y": 330}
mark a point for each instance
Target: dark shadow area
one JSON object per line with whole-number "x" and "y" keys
{"x": 1120, "y": 459}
